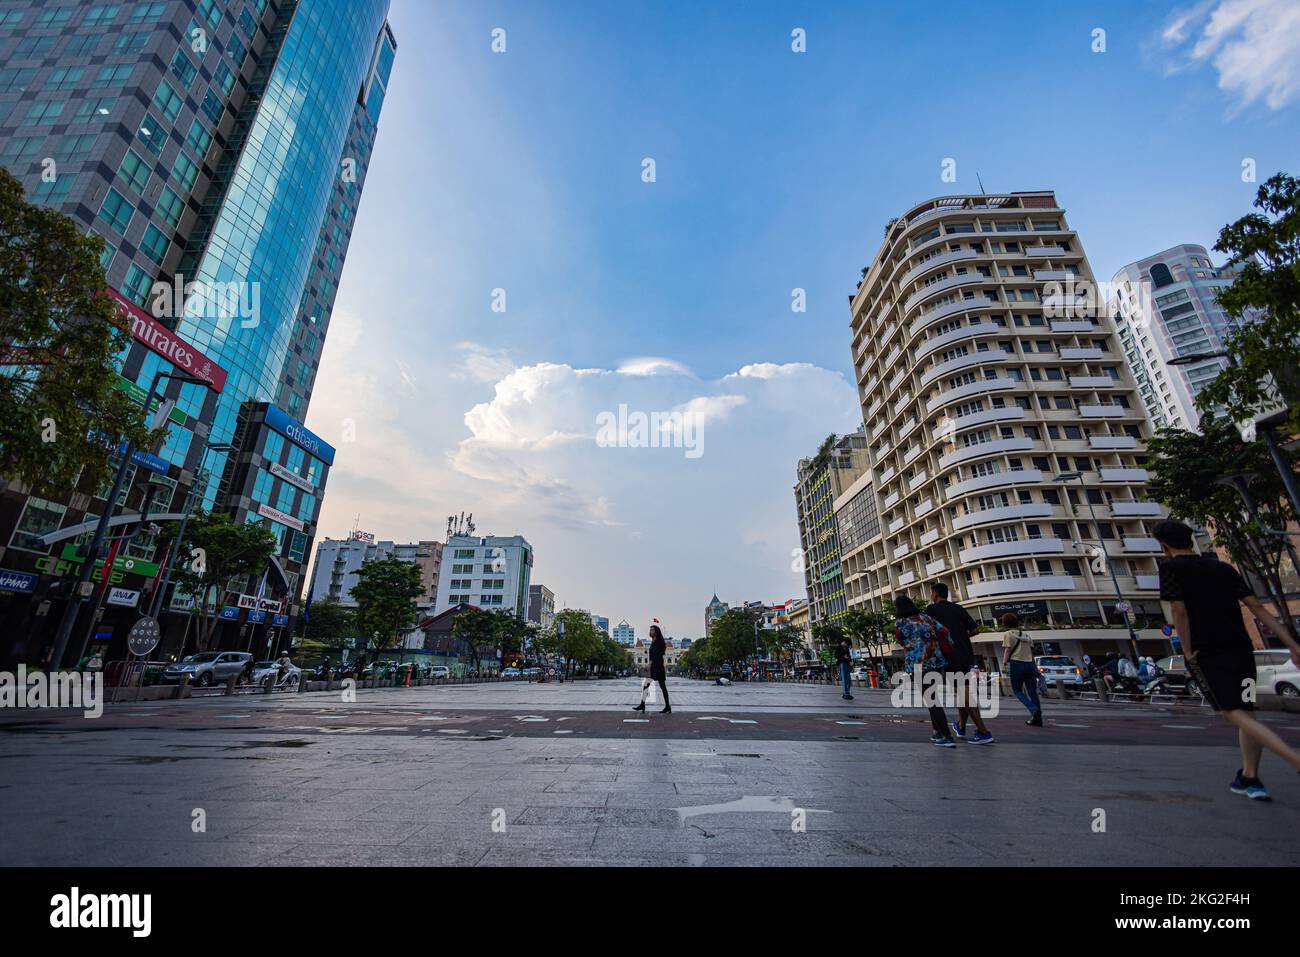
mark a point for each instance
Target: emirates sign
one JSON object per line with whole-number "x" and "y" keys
{"x": 161, "y": 340}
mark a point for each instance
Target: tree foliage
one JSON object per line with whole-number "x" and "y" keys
{"x": 1264, "y": 299}
{"x": 59, "y": 335}
{"x": 215, "y": 550}
{"x": 386, "y": 592}
{"x": 330, "y": 624}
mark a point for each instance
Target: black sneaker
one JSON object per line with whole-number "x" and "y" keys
{"x": 1036, "y": 721}
{"x": 847, "y": 697}
{"x": 1253, "y": 788}
{"x": 942, "y": 741}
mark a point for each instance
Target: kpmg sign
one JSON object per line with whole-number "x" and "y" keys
{"x": 298, "y": 434}
{"x": 170, "y": 346}
{"x": 21, "y": 582}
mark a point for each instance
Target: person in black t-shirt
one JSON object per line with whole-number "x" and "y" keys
{"x": 1206, "y": 595}
{"x": 960, "y": 627}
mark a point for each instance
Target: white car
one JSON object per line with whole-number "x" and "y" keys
{"x": 1060, "y": 668}
{"x": 439, "y": 671}
{"x": 510, "y": 673}
{"x": 1276, "y": 674}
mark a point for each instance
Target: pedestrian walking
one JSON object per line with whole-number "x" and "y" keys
{"x": 657, "y": 672}
{"x": 1018, "y": 659}
{"x": 961, "y": 662}
{"x": 844, "y": 658}
{"x": 923, "y": 638}
{"x": 1205, "y": 596}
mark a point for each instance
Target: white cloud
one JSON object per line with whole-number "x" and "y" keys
{"x": 627, "y": 532}
{"x": 1253, "y": 44}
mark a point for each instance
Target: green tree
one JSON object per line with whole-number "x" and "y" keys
{"x": 580, "y": 642}
{"x": 513, "y": 634}
{"x": 330, "y": 624}
{"x": 215, "y": 551}
{"x": 477, "y": 630}
{"x": 1185, "y": 468}
{"x": 1264, "y": 299}
{"x": 873, "y": 630}
{"x": 386, "y": 593}
{"x": 59, "y": 334}
{"x": 734, "y": 638}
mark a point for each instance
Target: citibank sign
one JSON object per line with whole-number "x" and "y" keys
{"x": 299, "y": 434}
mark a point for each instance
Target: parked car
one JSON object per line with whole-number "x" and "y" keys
{"x": 1276, "y": 673}
{"x": 208, "y": 667}
{"x": 860, "y": 674}
{"x": 532, "y": 672}
{"x": 439, "y": 671}
{"x": 1178, "y": 679}
{"x": 268, "y": 672}
{"x": 511, "y": 673}
{"x": 1054, "y": 668}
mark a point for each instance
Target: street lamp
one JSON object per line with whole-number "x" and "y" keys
{"x": 1119, "y": 595}
{"x": 74, "y": 605}
{"x": 1265, "y": 432}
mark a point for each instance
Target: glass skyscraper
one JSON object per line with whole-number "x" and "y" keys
{"x": 219, "y": 147}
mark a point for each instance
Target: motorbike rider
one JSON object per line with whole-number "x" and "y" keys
{"x": 283, "y": 663}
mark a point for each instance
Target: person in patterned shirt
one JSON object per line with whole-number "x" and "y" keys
{"x": 924, "y": 639}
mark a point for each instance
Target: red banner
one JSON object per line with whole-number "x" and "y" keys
{"x": 161, "y": 340}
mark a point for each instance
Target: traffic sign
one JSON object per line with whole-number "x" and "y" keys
{"x": 144, "y": 636}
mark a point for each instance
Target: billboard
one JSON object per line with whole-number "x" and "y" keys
{"x": 162, "y": 341}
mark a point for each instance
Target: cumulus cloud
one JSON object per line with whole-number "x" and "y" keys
{"x": 1254, "y": 45}
{"x": 629, "y": 530}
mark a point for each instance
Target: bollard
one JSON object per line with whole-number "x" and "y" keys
{"x": 302, "y": 684}
{"x": 230, "y": 684}
{"x": 269, "y": 686}
{"x": 183, "y": 687}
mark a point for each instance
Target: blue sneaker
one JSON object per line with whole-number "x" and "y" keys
{"x": 957, "y": 731}
{"x": 982, "y": 737}
{"x": 1253, "y": 788}
{"x": 942, "y": 741}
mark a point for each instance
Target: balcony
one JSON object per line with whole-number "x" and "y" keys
{"x": 934, "y": 262}
{"x": 1002, "y": 514}
{"x": 983, "y": 449}
{"x": 1148, "y": 582}
{"x": 935, "y": 313}
{"x": 1092, "y": 382}
{"x": 887, "y": 474}
{"x": 950, "y": 427}
{"x": 1022, "y": 546}
{"x": 1124, "y": 475}
{"x": 1139, "y": 544}
{"x": 1102, "y": 411}
{"x": 942, "y": 285}
{"x": 911, "y": 453}
{"x": 916, "y": 481}
{"x": 994, "y": 480}
{"x": 902, "y": 550}
{"x": 930, "y": 537}
{"x": 906, "y": 578}
{"x": 1029, "y": 585}
{"x": 896, "y": 525}
{"x": 925, "y": 508}
{"x": 1072, "y": 325}
{"x": 1112, "y": 442}
{"x": 891, "y": 500}
{"x": 1044, "y": 250}
{"x": 962, "y": 362}
{"x": 1137, "y": 509}
{"x": 935, "y": 567}
{"x": 968, "y": 331}
{"x": 980, "y": 387}
{"x": 1080, "y": 353}
{"x": 1053, "y": 275}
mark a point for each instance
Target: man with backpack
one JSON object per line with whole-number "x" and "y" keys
{"x": 960, "y": 627}
{"x": 1018, "y": 659}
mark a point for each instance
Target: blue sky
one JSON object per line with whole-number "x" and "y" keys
{"x": 774, "y": 170}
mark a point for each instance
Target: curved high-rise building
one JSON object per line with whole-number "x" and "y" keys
{"x": 1004, "y": 428}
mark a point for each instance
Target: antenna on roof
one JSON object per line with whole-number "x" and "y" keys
{"x": 981, "y": 182}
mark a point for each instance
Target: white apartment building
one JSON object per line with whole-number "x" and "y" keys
{"x": 491, "y": 572}
{"x": 1166, "y": 306}
{"x": 624, "y": 633}
{"x": 338, "y": 559}
{"x": 976, "y": 395}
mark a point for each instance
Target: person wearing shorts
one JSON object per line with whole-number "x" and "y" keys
{"x": 1205, "y": 597}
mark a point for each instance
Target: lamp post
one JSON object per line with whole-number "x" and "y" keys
{"x": 75, "y": 604}
{"x": 1265, "y": 431}
{"x": 1119, "y": 595}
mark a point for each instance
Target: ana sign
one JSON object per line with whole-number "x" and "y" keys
{"x": 123, "y": 597}
{"x": 162, "y": 341}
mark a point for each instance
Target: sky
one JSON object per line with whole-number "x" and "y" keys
{"x": 519, "y": 271}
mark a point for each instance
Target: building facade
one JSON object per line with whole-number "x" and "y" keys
{"x": 541, "y": 605}
{"x": 491, "y": 572}
{"x": 820, "y": 480}
{"x": 339, "y": 559}
{"x": 219, "y": 149}
{"x": 714, "y": 610}
{"x": 981, "y": 386}
{"x": 624, "y": 633}
{"x": 1167, "y": 306}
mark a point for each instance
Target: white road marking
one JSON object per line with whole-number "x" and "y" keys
{"x": 745, "y": 805}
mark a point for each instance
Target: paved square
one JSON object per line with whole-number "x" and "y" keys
{"x": 520, "y": 774}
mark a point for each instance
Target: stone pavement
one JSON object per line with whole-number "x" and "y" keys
{"x": 518, "y": 774}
